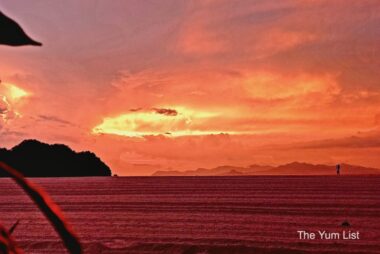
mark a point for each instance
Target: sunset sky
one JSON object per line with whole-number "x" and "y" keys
{"x": 153, "y": 85}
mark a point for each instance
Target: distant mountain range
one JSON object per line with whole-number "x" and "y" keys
{"x": 294, "y": 168}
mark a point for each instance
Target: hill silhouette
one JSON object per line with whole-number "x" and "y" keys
{"x": 294, "y": 168}
{"x": 33, "y": 158}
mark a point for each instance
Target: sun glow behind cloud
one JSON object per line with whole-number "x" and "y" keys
{"x": 15, "y": 93}
{"x": 10, "y": 97}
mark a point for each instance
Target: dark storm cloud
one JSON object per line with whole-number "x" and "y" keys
{"x": 3, "y": 110}
{"x": 166, "y": 111}
{"x": 54, "y": 119}
{"x": 135, "y": 109}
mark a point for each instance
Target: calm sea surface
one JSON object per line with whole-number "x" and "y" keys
{"x": 200, "y": 214}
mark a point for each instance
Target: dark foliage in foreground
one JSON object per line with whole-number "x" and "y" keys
{"x": 35, "y": 159}
{"x": 47, "y": 206}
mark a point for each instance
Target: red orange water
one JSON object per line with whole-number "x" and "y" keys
{"x": 201, "y": 214}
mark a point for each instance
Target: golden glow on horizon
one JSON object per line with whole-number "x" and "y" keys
{"x": 185, "y": 122}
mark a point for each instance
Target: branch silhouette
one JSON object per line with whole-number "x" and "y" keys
{"x": 12, "y": 34}
{"x": 48, "y": 207}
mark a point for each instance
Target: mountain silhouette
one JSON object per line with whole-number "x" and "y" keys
{"x": 221, "y": 170}
{"x": 294, "y": 168}
{"x": 12, "y": 34}
{"x": 33, "y": 158}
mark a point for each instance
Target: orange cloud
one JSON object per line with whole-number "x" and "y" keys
{"x": 243, "y": 102}
{"x": 264, "y": 73}
{"x": 195, "y": 39}
{"x": 269, "y": 85}
{"x": 274, "y": 41}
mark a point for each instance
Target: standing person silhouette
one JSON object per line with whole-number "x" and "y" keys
{"x": 338, "y": 169}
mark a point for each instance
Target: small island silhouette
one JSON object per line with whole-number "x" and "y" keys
{"x": 33, "y": 158}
